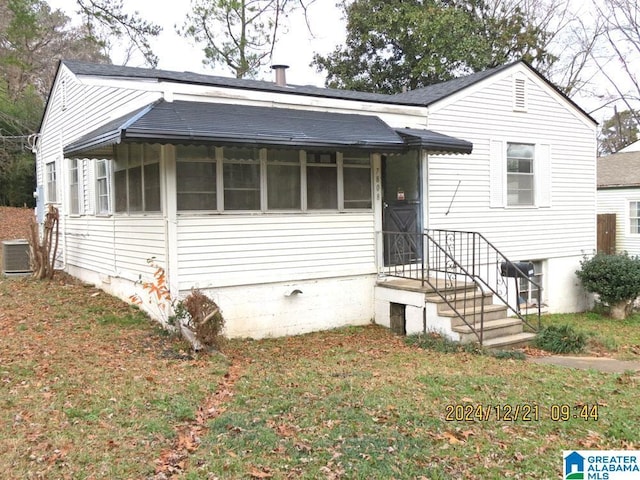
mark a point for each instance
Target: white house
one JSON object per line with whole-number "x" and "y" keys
{"x": 619, "y": 198}
{"x": 297, "y": 208}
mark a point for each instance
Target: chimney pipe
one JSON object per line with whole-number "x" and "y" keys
{"x": 281, "y": 75}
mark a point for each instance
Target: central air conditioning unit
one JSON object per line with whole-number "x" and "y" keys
{"x": 15, "y": 257}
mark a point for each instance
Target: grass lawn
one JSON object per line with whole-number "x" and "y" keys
{"x": 91, "y": 389}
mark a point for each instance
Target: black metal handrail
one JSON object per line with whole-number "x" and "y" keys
{"x": 449, "y": 261}
{"x": 457, "y": 287}
{"x": 487, "y": 263}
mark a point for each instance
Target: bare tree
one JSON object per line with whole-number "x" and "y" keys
{"x": 239, "y": 34}
{"x": 107, "y": 19}
{"x": 621, "y": 36}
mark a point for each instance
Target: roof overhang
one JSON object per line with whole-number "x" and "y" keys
{"x": 200, "y": 122}
{"x": 434, "y": 142}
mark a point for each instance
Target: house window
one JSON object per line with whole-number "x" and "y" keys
{"x": 529, "y": 290}
{"x": 196, "y": 177}
{"x": 74, "y": 187}
{"x": 283, "y": 180}
{"x": 241, "y": 168}
{"x": 137, "y": 178}
{"x": 50, "y": 171}
{"x": 102, "y": 188}
{"x": 520, "y": 174}
{"x": 634, "y": 218}
{"x": 322, "y": 181}
{"x": 356, "y": 180}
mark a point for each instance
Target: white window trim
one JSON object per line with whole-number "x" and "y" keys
{"x": 627, "y": 216}
{"x": 78, "y": 186}
{"x": 107, "y": 177}
{"x": 51, "y": 185}
{"x": 542, "y": 165}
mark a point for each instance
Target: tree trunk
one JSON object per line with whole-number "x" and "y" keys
{"x": 618, "y": 311}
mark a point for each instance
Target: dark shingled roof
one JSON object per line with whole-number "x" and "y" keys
{"x": 419, "y": 97}
{"x": 619, "y": 170}
{"x": 186, "y": 122}
{"x": 115, "y": 71}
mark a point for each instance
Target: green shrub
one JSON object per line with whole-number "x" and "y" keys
{"x": 560, "y": 339}
{"x": 616, "y": 278}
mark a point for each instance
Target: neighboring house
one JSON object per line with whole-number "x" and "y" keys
{"x": 277, "y": 200}
{"x": 619, "y": 201}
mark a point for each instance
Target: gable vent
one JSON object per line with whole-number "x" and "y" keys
{"x": 15, "y": 257}
{"x": 520, "y": 94}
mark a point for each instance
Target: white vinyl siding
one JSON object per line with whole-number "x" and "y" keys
{"x": 117, "y": 246}
{"x": 240, "y": 250}
{"x": 562, "y": 222}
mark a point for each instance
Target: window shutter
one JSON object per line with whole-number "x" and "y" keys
{"x": 497, "y": 172}
{"x": 543, "y": 175}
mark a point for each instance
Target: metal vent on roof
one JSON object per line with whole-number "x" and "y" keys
{"x": 519, "y": 94}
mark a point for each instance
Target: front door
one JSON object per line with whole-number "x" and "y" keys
{"x": 402, "y": 210}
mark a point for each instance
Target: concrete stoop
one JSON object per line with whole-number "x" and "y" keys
{"x": 426, "y": 310}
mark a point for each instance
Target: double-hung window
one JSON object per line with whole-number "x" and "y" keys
{"x": 50, "y": 172}
{"x": 634, "y": 217}
{"x": 103, "y": 196}
{"x": 520, "y": 174}
{"x": 74, "y": 187}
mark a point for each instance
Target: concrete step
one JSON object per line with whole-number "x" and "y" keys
{"x": 492, "y": 329}
{"x": 510, "y": 342}
{"x": 462, "y": 299}
{"x": 415, "y": 285}
{"x": 473, "y": 315}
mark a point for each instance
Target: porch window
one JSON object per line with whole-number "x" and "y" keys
{"x": 520, "y": 174}
{"x": 50, "y": 171}
{"x": 634, "y": 218}
{"x": 196, "y": 177}
{"x": 74, "y": 187}
{"x": 322, "y": 181}
{"x": 356, "y": 180}
{"x": 283, "y": 180}
{"x": 103, "y": 201}
{"x": 241, "y": 167}
{"x": 137, "y": 178}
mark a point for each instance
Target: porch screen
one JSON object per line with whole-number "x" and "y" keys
{"x": 241, "y": 178}
{"x": 196, "y": 177}
{"x": 322, "y": 181}
{"x": 283, "y": 179}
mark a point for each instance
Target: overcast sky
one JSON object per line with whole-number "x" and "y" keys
{"x": 296, "y": 47}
